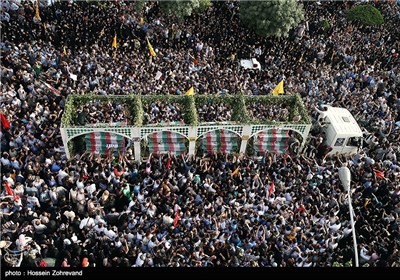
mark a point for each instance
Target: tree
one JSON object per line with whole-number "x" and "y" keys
{"x": 139, "y": 5}
{"x": 271, "y": 18}
{"x": 325, "y": 25}
{"x": 182, "y": 8}
{"x": 366, "y": 14}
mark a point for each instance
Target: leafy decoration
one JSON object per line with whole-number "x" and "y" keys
{"x": 238, "y": 103}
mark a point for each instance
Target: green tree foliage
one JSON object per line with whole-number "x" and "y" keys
{"x": 182, "y": 8}
{"x": 325, "y": 25}
{"x": 366, "y": 14}
{"x": 271, "y": 18}
{"x": 139, "y": 5}
{"x": 203, "y": 5}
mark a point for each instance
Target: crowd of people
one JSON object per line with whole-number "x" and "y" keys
{"x": 275, "y": 112}
{"x": 160, "y": 112}
{"x": 102, "y": 112}
{"x": 216, "y": 210}
{"x": 214, "y": 112}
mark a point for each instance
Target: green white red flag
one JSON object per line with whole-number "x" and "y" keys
{"x": 162, "y": 142}
{"x": 223, "y": 141}
{"x": 103, "y": 142}
{"x": 273, "y": 140}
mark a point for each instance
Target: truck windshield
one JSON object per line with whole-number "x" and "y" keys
{"x": 354, "y": 141}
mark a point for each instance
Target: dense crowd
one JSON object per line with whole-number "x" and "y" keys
{"x": 159, "y": 112}
{"x": 276, "y": 112}
{"x": 214, "y": 112}
{"x": 102, "y": 112}
{"x": 216, "y": 210}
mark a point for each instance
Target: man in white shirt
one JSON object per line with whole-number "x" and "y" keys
{"x": 87, "y": 222}
{"x": 61, "y": 175}
{"x": 140, "y": 259}
{"x": 99, "y": 228}
{"x": 4, "y": 160}
{"x": 69, "y": 214}
{"x": 32, "y": 199}
{"x": 8, "y": 179}
{"x": 90, "y": 189}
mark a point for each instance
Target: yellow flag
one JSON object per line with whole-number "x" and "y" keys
{"x": 152, "y": 52}
{"x": 190, "y": 91}
{"x": 235, "y": 172}
{"x": 141, "y": 21}
{"x": 37, "y": 15}
{"x": 278, "y": 89}
{"x": 301, "y": 57}
{"x": 65, "y": 52}
{"x": 114, "y": 43}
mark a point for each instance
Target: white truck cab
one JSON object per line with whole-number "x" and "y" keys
{"x": 250, "y": 64}
{"x": 342, "y": 132}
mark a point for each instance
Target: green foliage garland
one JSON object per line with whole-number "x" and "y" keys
{"x": 238, "y": 102}
{"x": 69, "y": 111}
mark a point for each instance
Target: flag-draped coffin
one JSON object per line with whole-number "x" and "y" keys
{"x": 273, "y": 140}
{"x": 102, "y": 142}
{"x": 162, "y": 142}
{"x": 223, "y": 141}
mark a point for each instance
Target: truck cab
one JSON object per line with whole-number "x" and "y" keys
{"x": 342, "y": 132}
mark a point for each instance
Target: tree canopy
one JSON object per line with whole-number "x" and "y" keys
{"x": 366, "y": 14}
{"x": 271, "y": 18}
{"x": 182, "y": 8}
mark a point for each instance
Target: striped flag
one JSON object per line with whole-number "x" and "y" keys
{"x": 104, "y": 142}
{"x": 151, "y": 50}
{"x": 162, "y": 142}
{"x": 223, "y": 141}
{"x": 53, "y": 90}
{"x": 278, "y": 89}
{"x": 273, "y": 140}
{"x": 190, "y": 91}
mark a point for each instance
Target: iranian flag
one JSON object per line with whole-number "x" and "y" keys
{"x": 273, "y": 140}
{"x": 53, "y": 90}
{"x": 162, "y": 142}
{"x": 223, "y": 141}
{"x": 102, "y": 142}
